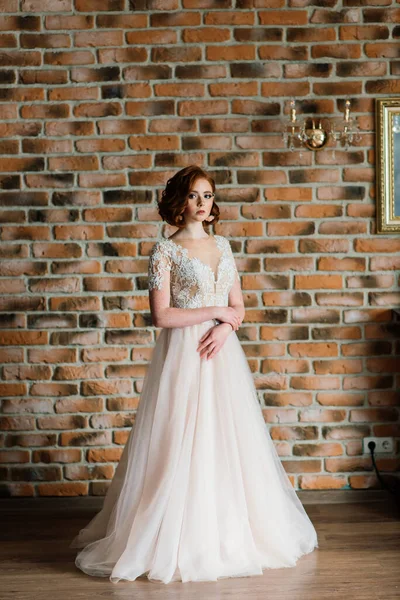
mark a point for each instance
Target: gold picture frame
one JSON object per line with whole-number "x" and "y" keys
{"x": 387, "y": 127}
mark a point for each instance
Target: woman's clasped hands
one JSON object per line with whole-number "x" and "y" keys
{"x": 212, "y": 341}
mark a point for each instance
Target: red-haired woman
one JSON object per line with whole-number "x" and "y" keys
{"x": 199, "y": 493}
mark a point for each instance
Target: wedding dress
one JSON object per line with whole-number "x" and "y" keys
{"x": 199, "y": 492}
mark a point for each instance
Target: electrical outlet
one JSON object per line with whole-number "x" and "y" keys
{"x": 382, "y": 445}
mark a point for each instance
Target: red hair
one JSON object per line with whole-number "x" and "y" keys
{"x": 174, "y": 197}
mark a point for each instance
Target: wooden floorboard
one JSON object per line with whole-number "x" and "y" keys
{"x": 358, "y": 556}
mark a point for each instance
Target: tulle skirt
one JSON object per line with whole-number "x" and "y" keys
{"x": 199, "y": 492}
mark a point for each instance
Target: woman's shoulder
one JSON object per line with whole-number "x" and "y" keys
{"x": 160, "y": 247}
{"x": 222, "y": 240}
{"x": 161, "y": 242}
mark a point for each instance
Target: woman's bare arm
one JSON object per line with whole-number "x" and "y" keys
{"x": 235, "y": 299}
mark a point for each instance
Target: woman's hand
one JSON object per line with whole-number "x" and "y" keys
{"x": 228, "y": 314}
{"x": 213, "y": 340}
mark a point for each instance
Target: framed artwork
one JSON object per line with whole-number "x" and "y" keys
{"x": 387, "y": 127}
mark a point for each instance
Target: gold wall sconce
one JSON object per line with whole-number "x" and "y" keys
{"x": 314, "y": 133}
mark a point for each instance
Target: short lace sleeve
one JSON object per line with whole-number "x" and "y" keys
{"x": 237, "y": 276}
{"x": 159, "y": 263}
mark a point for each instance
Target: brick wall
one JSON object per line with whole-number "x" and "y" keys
{"x": 101, "y": 102}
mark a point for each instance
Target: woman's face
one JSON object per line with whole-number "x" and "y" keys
{"x": 199, "y": 198}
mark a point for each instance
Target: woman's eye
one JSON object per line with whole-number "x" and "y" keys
{"x": 207, "y": 196}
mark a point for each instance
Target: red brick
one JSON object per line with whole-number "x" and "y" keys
{"x": 93, "y": 5}
{"x": 285, "y": 88}
{"x": 202, "y": 107}
{"x": 321, "y": 482}
{"x": 234, "y": 52}
{"x": 227, "y": 17}
{"x": 283, "y": 17}
{"x": 205, "y": 35}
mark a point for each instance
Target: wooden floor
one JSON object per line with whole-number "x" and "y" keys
{"x": 358, "y": 557}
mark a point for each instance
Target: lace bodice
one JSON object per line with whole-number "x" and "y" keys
{"x": 193, "y": 283}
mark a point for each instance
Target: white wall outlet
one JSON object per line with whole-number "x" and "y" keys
{"x": 382, "y": 445}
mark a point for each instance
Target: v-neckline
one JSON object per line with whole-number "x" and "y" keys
{"x": 195, "y": 258}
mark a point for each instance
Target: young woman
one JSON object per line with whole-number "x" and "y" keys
{"x": 200, "y": 492}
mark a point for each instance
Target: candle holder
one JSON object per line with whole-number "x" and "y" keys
{"x": 297, "y": 132}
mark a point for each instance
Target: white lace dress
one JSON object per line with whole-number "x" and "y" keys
{"x": 193, "y": 282}
{"x": 199, "y": 493}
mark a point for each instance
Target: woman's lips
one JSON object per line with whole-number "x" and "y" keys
{"x": 201, "y": 211}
